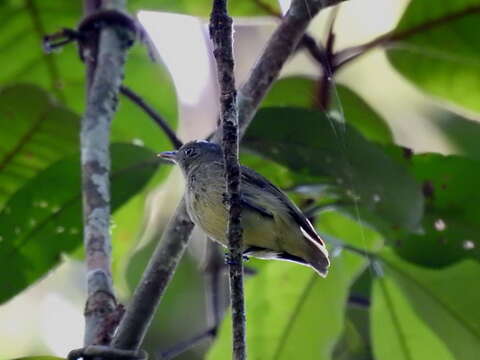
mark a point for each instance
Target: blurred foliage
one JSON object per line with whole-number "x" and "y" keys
{"x": 47, "y": 210}
{"x": 442, "y": 56}
{"x": 423, "y": 312}
{"x": 33, "y": 135}
{"x": 305, "y": 312}
{"x": 40, "y": 358}
{"x": 402, "y": 228}
{"x": 200, "y": 8}
{"x": 321, "y": 146}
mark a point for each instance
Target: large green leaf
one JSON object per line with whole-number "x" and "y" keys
{"x": 437, "y": 48}
{"x": 40, "y": 358}
{"x": 351, "y": 345}
{"x": 297, "y": 91}
{"x": 63, "y": 74}
{"x": 397, "y": 331}
{"x": 44, "y": 219}
{"x": 450, "y": 227}
{"x": 361, "y": 115}
{"x": 292, "y": 313}
{"x": 417, "y": 309}
{"x": 309, "y": 143}
{"x": 461, "y": 132}
{"x": 34, "y": 133}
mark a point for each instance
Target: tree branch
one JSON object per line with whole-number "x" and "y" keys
{"x": 101, "y": 315}
{"x": 174, "y": 240}
{"x": 159, "y": 120}
{"x": 221, "y": 35}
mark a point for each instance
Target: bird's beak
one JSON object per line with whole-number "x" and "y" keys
{"x": 168, "y": 155}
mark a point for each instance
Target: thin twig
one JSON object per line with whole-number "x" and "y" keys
{"x": 345, "y": 56}
{"x": 214, "y": 283}
{"x": 187, "y": 344}
{"x": 101, "y": 315}
{"x": 173, "y": 243}
{"x": 159, "y": 120}
{"x": 221, "y": 34}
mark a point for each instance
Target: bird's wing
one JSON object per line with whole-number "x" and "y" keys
{"x": 255, "y": 179}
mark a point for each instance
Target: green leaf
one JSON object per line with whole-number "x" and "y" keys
{"x": 294, "y": 91}
{"x": 450, "y": 226}
{"x": 203, "y": 8}
{"x": 422, "y": 313}
{"x": 34, "y": 133}
{"x": 348, "y": 230}
{"x": 292, "y": 313}
{"x": 351, "y": 345}
{"x": 436, "y": 48}
{"x": 63, "y": 74}
{"x": 461, "y": 132}
{"x": 309, "y": 143}
{"x": 40, "y": 358}
{"x": 362, "y": 116}
{"x": 398, "y": 333}
{"x": 44, "y": 219}
{"x": 298, "y": 91}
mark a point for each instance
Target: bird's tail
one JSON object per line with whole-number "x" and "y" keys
{"x": 317, "y": 258}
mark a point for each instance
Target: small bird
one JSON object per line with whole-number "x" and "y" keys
{"x": 273, "y": 226}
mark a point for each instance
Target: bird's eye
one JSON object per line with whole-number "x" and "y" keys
{"x": 190, "y": 152}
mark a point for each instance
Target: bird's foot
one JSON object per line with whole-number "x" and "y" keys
{"x": 229, "y": 260}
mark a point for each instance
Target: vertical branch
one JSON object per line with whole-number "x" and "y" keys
{"x": 221, "y": 35}
{"x": 104, "y": 75}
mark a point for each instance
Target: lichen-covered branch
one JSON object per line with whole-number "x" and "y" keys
{"x": 101, "y": 314}
{"x": 221, "y": 35}
{"x": 174, "y": 240}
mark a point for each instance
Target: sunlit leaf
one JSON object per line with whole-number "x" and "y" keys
{"x": 419, "y": 313}
{"x": 34, "y": 133}
{"x": 39, "y": 358}
{"x": 44, "y": 219}
{"x": 438, "y": 50}
{"x": 293, "y": 313}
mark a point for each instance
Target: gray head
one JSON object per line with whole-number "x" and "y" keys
{"x": 192, "y": 153}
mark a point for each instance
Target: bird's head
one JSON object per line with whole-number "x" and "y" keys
{"x": 193, "y": 153}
